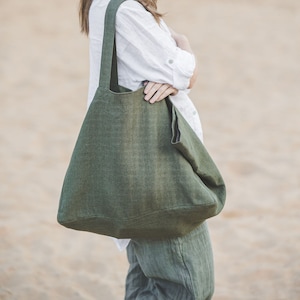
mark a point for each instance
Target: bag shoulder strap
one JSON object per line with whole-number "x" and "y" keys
{"x": 108, "y": 72}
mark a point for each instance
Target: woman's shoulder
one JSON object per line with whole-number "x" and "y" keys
{"x": 133, "y": 13}
{"x": 131, "y": 4}
{"x": 130, "y": 7}
{"x": 128, "y": 4}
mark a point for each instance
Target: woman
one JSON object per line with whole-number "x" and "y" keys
{"x": 151, "y": 54}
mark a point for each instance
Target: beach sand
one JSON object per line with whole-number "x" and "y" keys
{"x": 248, "y": 96}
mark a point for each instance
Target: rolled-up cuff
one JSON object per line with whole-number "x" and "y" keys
{"x": 183, "y": 69}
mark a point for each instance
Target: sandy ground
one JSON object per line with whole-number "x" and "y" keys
{"x": 248, "y": 95}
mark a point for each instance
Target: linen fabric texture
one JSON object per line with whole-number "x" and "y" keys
{"x": 171, "y": 269}
{"x": 137, "y": 170}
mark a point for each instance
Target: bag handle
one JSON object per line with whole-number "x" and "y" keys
{"x": 108, "y": 73}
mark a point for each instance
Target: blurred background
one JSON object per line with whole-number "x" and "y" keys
{"x": 248, "y": 97}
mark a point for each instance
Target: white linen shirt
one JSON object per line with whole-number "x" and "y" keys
{"x": 145, "y": 51}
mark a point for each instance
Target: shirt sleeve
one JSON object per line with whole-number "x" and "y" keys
{"x": 147, "y": 50}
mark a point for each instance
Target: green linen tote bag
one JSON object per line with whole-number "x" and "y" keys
{"x": 137, "y": 170}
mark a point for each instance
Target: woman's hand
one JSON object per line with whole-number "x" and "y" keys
{"x": 181, "y": 40}
{"x": 155, "y": 92}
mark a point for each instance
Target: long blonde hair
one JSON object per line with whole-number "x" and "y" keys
{"x": 84, "y": 7}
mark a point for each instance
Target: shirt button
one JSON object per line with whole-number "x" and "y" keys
{"x": 170, "y": 61}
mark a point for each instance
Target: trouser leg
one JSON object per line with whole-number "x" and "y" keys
{"x": 172, "y": 269}
{"x": 135, "y": 280}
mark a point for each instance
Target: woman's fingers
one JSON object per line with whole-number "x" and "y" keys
{"x": 155, "y": 92}
{"x": 163, "y": 92}
{"x": 151, "y": 89}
